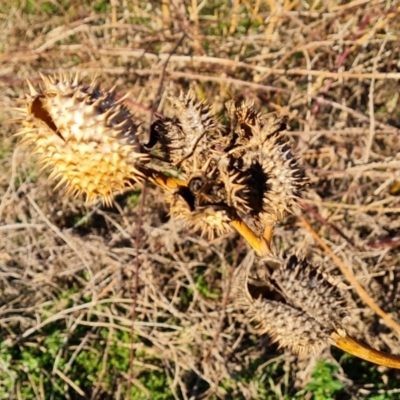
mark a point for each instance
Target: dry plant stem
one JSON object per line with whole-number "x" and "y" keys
{"x": 340, "y": 62}
{"x": 323, "y": 221}
{"x": 260, "y": 245}
{"x": 224, "y": 62}
{"x": 224, "y": 304}
{"x": 268, "y": 233}
{"x": 258, "y": 86}
{"x": 160, "y": 179}
{"x": 135, "y": 288}
{"x": 164, "y": 181}
{"x": 352, "y": 279}
{"x": 360, "y": 350}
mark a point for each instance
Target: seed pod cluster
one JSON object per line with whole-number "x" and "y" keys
{"x": 244, "y": 169}
{"x": 292, "y": 301}
{"x": 240, "y": 175}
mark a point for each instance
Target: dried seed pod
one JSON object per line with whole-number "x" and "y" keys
{"x": 261, "y": 152}
{"x": 236, "y": 188}
{"x": 186, "y": 138}
{"x": 315, "y": 292}
{"x": 299, "y": 307}
{"x": 289, "y": 327}
{"x": 84, "y": 135}
{"x": 249, "y": 163}
{"x": 292, "y": 301}
{"x": 201, "y": 207}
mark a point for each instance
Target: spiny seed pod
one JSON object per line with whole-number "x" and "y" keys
{"x": 289, "y": 327}
{"x": 299, "y": 307}
{"x": 249, "y": 164}
{"x": 236, "y": 188}
{"x": 305, "y": 286}
{"x": 84, "y": 135}
{"x": 186, "y": 138}
{"x": 199, "y": 211}
{"x": 260, "y": 150}
{"x": 293, "y": 302}
{"x": 209, "y": 202}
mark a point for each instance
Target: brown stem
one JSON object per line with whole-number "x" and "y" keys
{"x": 166, "y": 182}
{"x": 160, "y": 179}
{"x": 260, "y": 245}
{"x": 268, "y": 233}
{"x": 364, "y": 352}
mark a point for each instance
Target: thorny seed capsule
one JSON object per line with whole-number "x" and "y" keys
{"x": 248, "y": 162}
{"x": 293, "y": 302}
{"x": 261, "y": 152}
{"x": 86, "y": 137}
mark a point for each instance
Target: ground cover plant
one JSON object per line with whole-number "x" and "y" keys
{"x": 71, "y": 272}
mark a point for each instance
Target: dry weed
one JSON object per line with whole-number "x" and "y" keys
{"x": 67, "y": 271}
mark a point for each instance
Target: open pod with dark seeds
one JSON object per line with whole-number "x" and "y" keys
{"x": 242, "y": 171}
{"x": 299, "y": 307}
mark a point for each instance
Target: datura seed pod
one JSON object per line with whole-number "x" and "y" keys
{"x": 248, "y": 163}
{"x": 293, "y": 302}
{"x": 263, "y": 154}
{"x": 188, "y": 137}
{"x": 84, "y": 135}
{"x": 299, "y": 307}
{"x": 200, "y": 214}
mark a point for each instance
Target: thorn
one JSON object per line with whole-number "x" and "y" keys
{"x": 76, "y": 81}
{"x": 97, "y": 103}
{"x": 46, "y": 80}
{"x": 62, "y": 77}
{"x": 123, "y": 98}
{"x": 36, "y": 151}
{"x": 95, "y": 84}
{"x": 26, "y": 139}
{"x": 55, "y": 175}
{"x": 32, "y": 90}
{"x": 21, "y": 110}
{"x": 96, "y": 80}
{"x": 112, "y": 91}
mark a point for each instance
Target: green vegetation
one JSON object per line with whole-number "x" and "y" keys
{"x": 324, "y": 384}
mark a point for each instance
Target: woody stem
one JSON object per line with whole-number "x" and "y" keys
{"x": 268, "y": 233}
{"x": 160, "y": 179}
{"x": 260, "y": 245}
{"x": 365, "y": 352}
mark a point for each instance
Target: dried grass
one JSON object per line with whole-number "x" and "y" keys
{"x": 334, "y": 68}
